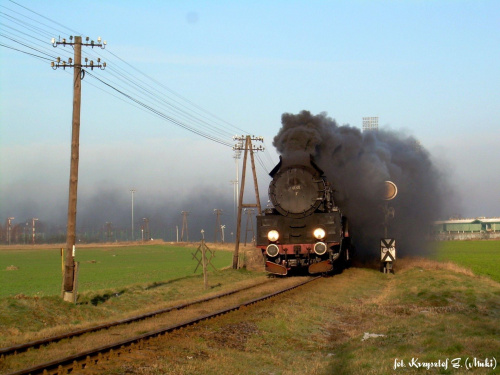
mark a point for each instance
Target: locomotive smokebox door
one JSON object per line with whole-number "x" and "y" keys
{"x": 387, "y": 254}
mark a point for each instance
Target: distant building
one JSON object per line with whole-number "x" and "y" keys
{"x": 467, "y": 229}
{"x": 370, "y": 124}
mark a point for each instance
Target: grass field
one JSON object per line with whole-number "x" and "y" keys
{"x": 482, "y": 257}
{"x": 38, "y": 272}
{"x": 429, "y": 310}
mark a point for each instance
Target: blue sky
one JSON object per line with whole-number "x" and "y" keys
{"x": 429, "y": 68}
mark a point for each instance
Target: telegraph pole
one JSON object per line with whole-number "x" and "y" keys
{"x": 146, "y": 228}
{"x": 249, "y": 213}
{"x": 108, "y": 230}
{"x": 132, "y": 191}
{"x": 33, "y": 227}
{"x": 217, "y": 225}
{"x": 69, "y": 283}
{"x": 9, "y": 228}
{"x": 184, "y": 225}
{"x": 248, "y": 148}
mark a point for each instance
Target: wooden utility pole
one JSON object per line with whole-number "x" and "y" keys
{"x": 249, "y": 213}
{"x": 69, "y": 282}
{"x": 184, "y": 226}
{"x": 248, "y": 148}
{"x": 33, "y": 230}
{"x": 218, "y": 229}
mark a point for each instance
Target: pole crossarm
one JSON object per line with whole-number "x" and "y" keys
{"x": 240, "y": 147}
{"x": 78, "y": 64}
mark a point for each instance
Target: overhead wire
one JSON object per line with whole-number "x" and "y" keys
{"x": 41, "y": 15}
{"x": 124, "y": 81}
{"x": 27, "y": 53}
{"x": 144, "y": 94}
{"x": 161, "y": 114}
{"x": 25, "y": 45}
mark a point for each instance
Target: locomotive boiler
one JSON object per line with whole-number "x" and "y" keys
{"x": 304, "y": 229}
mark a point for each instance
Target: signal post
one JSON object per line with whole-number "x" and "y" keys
{"x": 388, "y": 245}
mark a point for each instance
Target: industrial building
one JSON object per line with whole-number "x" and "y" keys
{"x": 463, "y": 229}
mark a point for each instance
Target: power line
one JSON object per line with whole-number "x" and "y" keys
{"x": 176, "y": 94}
{"x": 48, "y": 19}
{"x": 27, "y": 53}
{"x": 150, "y": 96}
{"x": 157, "y": 112}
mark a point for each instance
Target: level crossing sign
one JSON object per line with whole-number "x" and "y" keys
{"x": 387, "y": 250}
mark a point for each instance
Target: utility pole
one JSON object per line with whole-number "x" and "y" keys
{"x": 69, "y": 283}
{"x": 249, "y": 213}
{"x": 237, "y": 157}
{"x": 217, "y": 225}
{"x": 108, "y": 230}
{"x": 248, "y": 148}
{"x": 33, "y": 227}
{"x": 222, "y": 227}
{"x": 132, "y": 191}
{"x": 184, "y": 225}
{"x": 26, "y": 231}
{"x": 9, "y": 228}
{"x": 146, "y": 228}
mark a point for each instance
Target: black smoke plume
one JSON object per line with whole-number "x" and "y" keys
{"x": 357, "y": 164}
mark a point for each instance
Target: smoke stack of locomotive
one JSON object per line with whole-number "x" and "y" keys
{"x": 357, "y": 165}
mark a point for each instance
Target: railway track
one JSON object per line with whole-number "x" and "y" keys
{"x": 90, "y": 357}
{"x": 15, "y": 349}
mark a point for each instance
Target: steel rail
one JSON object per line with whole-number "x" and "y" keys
{"x": 83, "y": 359}
{"x": 11, "y": 350}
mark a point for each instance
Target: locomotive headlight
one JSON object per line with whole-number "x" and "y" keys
{"x": 320, "y": 248}
{"x": 319, "y": 233}
{"x": 272, "y": 250}
{"x": 273, "y": 235}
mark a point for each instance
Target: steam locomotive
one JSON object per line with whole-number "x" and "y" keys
{"x": 304, "y": 230}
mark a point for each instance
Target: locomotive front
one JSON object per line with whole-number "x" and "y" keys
{"x": 303, "y": 229}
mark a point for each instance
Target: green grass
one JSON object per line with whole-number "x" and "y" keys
{"x": 427, "y": 310}
{"x": 482, "y": 257}
{"x": 27, "y": 318}
{"x": 39, "y": 272}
